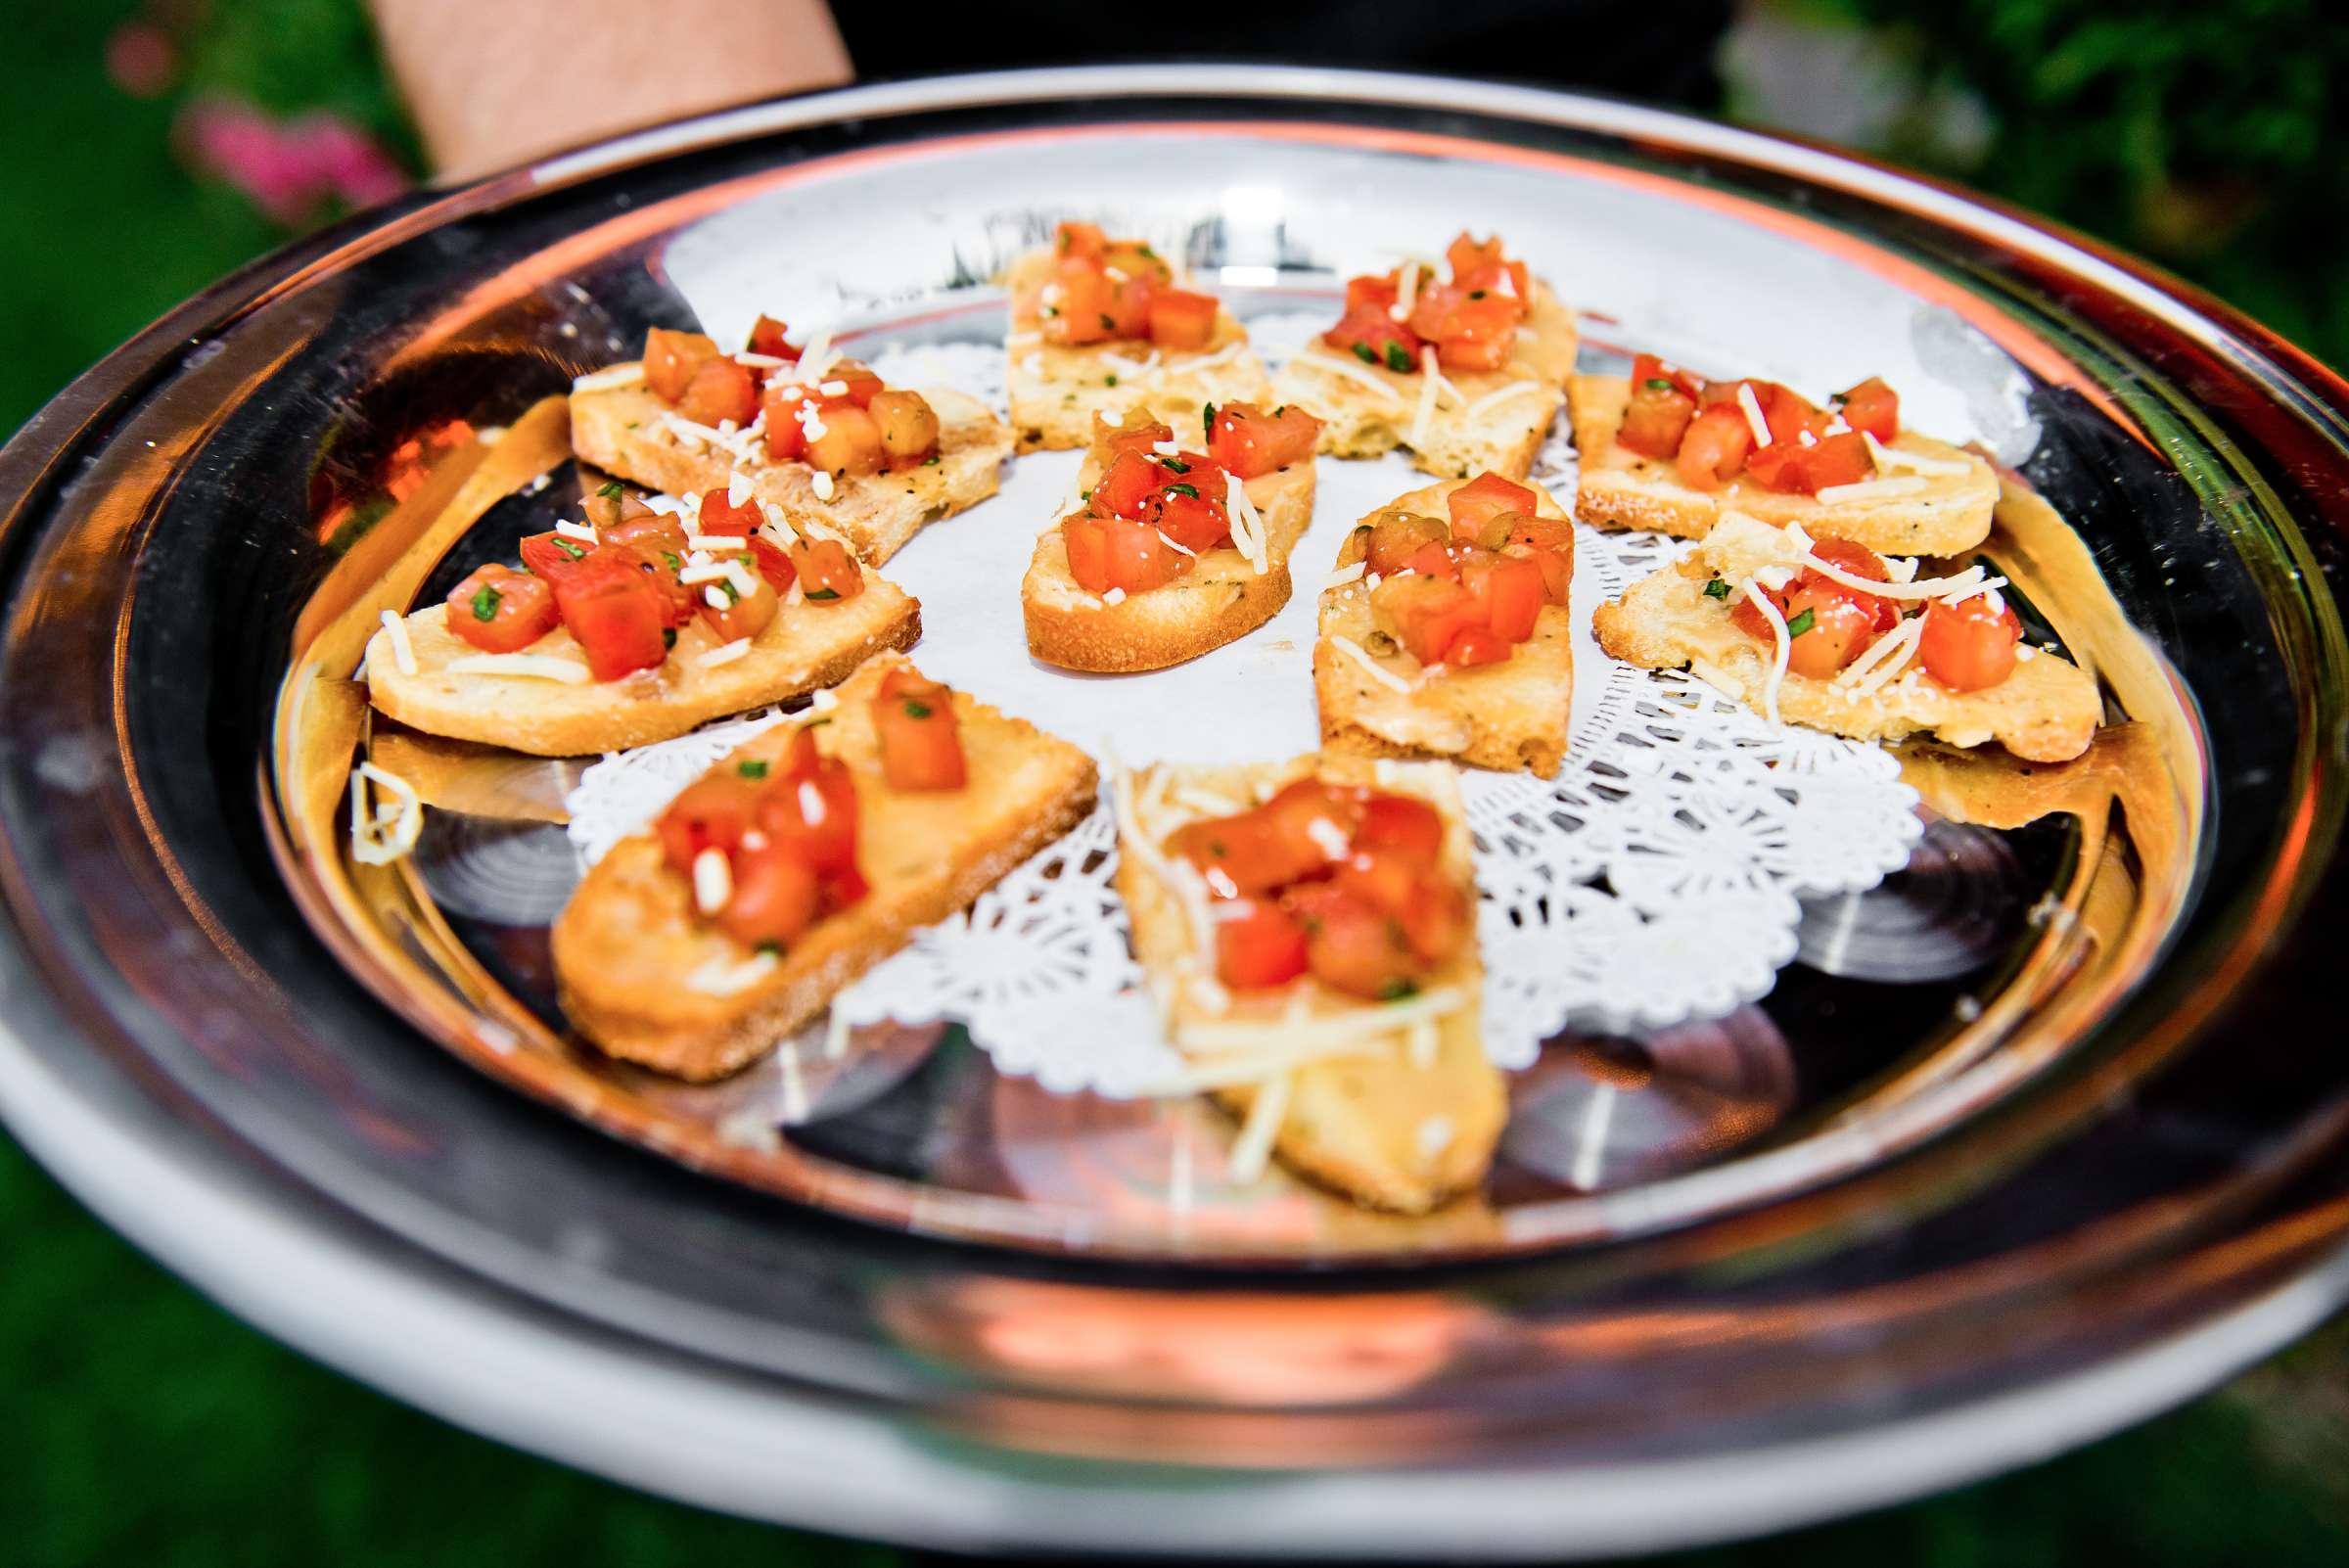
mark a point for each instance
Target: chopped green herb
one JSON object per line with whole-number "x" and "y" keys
{"x": 916, "y": 710}
{"x": 669, "y": 636}
{"x": 567, "y": 548}
{"x": 1362, "y": 352}
{"x": 632, "y": 424}
{"x": 1187, "y": 488}
{"x": 1207, "y": 422}
{"x": 1476, "y": 293}
{"x": 1716, "y": 589}
{"x": 1174, "y": 463}
{"x": 610, "y": 492}
{"x": 1282, "y": 409}
{"x": 928, "y": 462}
{"x": 486, "y": 602}
{"x": 1146, "y": 250}
{"x": 1800, "y": 624}
{"x": 1658, "y": 383}
{"x": 1108, "y": 323}
{"x": 823, "y": 593}
{"x": 1399, "y": 359}
{"x": 671, "y": 556}
{"x": 1398, "y": 989}
{"x": 773, "y": 949}
{"x": 732, "y": 594}
{"x": 1051, "y": 311}
{"x": 1109, "y": 381}
{"x": 813, "y": 722}
{"x": 751, "y": 769}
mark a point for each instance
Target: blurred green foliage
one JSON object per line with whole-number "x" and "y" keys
{"x": 2211, "y": 134}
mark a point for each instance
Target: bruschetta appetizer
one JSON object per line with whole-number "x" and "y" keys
{"x": 815, "y": 435}
{"x": 806, "y": 857}
{"x": 1444, "y": 630}
{"x": 1467, "y": 373}
{"x": 1828, "y": 633}
{"x": 1670, "y": 451}
{"x": 1310, "y": 931}
{"x": 637, "y": 625}
{"x": 1100, "y": 326}
{"x": 1166, "y": 552}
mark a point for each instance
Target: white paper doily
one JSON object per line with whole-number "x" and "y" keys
{"x": 1653, "y": 881}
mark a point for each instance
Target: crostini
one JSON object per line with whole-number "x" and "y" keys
{"x": 1669, "y": 452}
{"x": 1467, "y": 374}
{"x": 806, "y": 857}
{"x": 1444, "y": 631}
{"x": 1309, "y": 929}
{"x": 815, "y": 435}
{"x": 1828, "y": 633}
{"x": 1100, "y": 326}
{"x": 1167, "y": 553}
{"x": 637, "y": 625}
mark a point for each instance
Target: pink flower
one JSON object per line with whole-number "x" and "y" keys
{"x": 288, "y": 169}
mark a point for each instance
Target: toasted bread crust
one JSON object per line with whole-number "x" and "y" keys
{"x": 620, "y": 429}
{"x": 804, "y": 648}
{"x": 2045, "y": 711}
{"x": 1056, "y": 393}
{"x": 1359, "y": 1125}
{"x": 1220, "y": 600}
{"x": 1621, "y": 489}
{"x": 1514, "y": 716}
{"x": 628, "y": 937}
{"x": 1503, "y": 439}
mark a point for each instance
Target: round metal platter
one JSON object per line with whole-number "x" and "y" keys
{"x": 2026, "y": 1145}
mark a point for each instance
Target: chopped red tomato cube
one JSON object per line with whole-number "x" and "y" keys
{"x": 1874, "y": 408}
{"x": 826, "y": 570}
{"x": 1662, "y": 403}
{"x": 786, "y": 436}
{"x": 721, "y": 391}
{"x": 1125, "y": 487}
{"x": 1427, "y": 613}
{"x": 1396, "y": 538}
{"x": 1375, "y": 338}
{"x": 767, "y": 338}
{"x": 776, "y": 896}
{"x": 499, "y": 609}
{"x": 1351, "y": 946}
{"x": 1182, "y": 321}
{"x": 670, "y": 359}
{"x": 1190, "y": 510}
{"x": 1970, "y": 646}
{"x": 862, "y": 384}
{"x": 615, "y": 612}
{"x": 554, "y": 556}
{"x": 908, "y": 427}
{"x": 1251, "y": 443}
{"x": 1402, "y": 824}
{"x": 1714, "y": 448}
{"x": 1476, "y": 646}
{"x": 1508, "y": 591}
{"x": 921, "y": 742}
{"x": 850, "y": 443}
{"x": 773, "y": 564}
{"x": 1079, "y": 239}
{"x": 743, "y": 615}
{"x": 1258, "y": 944}
{"x": 1485, "y": 497}
{"x": 713, "y": 813}
{"x": 720, "y": 516}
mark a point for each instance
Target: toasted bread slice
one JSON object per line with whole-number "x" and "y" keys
{"x": 628, "y": 431}
{"x": 2045, "y": 711}
{"x": 1220, "y": 600}
{"x": 806, "y": 648}
{"x": 1398, "y": 1115}
{"x": 1946, "y": 514}
{"x": 1377, "y": 700}
{"x": 627, "y": 945}
{"x": 1056, "y": 392}
{"x": 1496, "y": 423}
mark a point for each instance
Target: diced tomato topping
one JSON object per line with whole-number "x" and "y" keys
{"x": 850, "y": 443}
{"x": 1375, "y": 338}
{"x": 1196, "y": 522}
{"x": 1125, "y": 487}
{"x": 1258, "y": 944}
{"x": 773, "y": 564}
{"x": 767, "y": 338}
{"x": 1139, "y": 556}
{"x": 1483, "y": 265}
{"x": 1662, "y": 403}
{"x": 818, "y": 819}
{"x": 713, "y": 813}
{"x": 615, "y": 611}
{"x": 613, "y": 505}
{"x": 720, "y": 516}
{"x": 721, "y": 391}
{"x": 1714, "y": 448}
{"x": 1794, "y": 468}
{"x": 1476, "y": 646}
{"x": 1182, "y": 321}
{"x": 776, "y": 896}
{"x": 908, "y": 427}
{"x": 1430, "y": 909}
{"x": 1353, "y": 947}
{"x": 862, "y": 384}
{"x": 1180, "y": 497}
{"x": 650, "y": 531}
{"x": 1485, "y": 497}
{"x": 1377, "y": 292}
{"x": 1434, "y": 561}
{"x": 1472, "y": 328}
{"x": 1079, "y": 239}
{"x": 1508, "y": 592}
{"x": 1251, "y": 443}
{"x": 1396, "y": 538}
{"x": 745, "y": 615}
{"x": 1402, "y": 824}
{"x": 670, "y": 359}
{"x": 1839, "y": 629}
{"x": 785, "y": 437}
{"x": 1861, "y": 562}
{"x": 554, "y": 556}
{"x": 1970, "y": 646}
{"x": 499, "y": 609}
{"x": 826, "y": 570}
{"x": 1428, "y": 614}
{"x": 659, "y": 557}
{"x": 1086, "y": 537}
{"x": 1873, "y": 407}
{"x": 921, "y": 742}
{"x": 1138, "y": 434}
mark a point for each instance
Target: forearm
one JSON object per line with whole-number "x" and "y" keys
{"x": 494, "y": 82}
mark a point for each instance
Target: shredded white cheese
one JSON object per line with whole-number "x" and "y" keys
{"x": 1781, "y": 651}
{"x": 744, "y": 584}
{"x": 534, "y": 667}
{"x": 1429, "y": 384}
{"x": 1345, "y": 575}
{"x": 1195, "y": 363}
{"x": 751, "y": 361}
{"x": 1891, "y": 459}
{"x": 1378, "y": 672}
{"x": 818, "y": 356}
{"x": 1752, "y": 408}
{"x": 607, "y": 379}
{"x": 403, "y": 652}
{"x": 1497, "y": 396}
{"x": 1355, "y": 1024}
{"x": 703, "y": 543}
{"x": 381, "y": 832}
{"x": 1114, "y": 596}
{"x": 1877, "y": 490}
{"x": 822, "y": 484}
{"x": 725, "y": 653}
{"x": 697, "y": 572}
{"x": 1247, "y": 528}
{"x": 720, "y": 977}
{"x": 576, "y": 531}
{"x": 1254, "y": 1146}
{"x": 1172, "y": 546}
{"x": 712, "y": 881}
{"x": 1884, "y": 659}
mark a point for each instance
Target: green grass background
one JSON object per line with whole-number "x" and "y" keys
{"x": 141, "y": 1425}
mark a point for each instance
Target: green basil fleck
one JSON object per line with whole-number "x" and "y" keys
{"x": 567, "y": 548}
{"x": 1716, "y": 589}
{"x": 1191, "y": 491}
{"x": 773, "y": 949}
{"x": 611, "y": 490}
{"x": 486, "y": 602}
{"x": 751, "y": 769}
{"x": 1399, "y": 360}
{"x": 1800, "y": 624}
{"x": 669, "y": 636}
{"x": 916, "y": 710}
{"x": 1398, "y": 989}
{"x": 813, "y": 722}
{"x": 1174, "y": 463}
{"x": 1658, "y": 383}
{"x": 1109, "y": 381}
{"x": 1476, "y": 293}
{"x": 1282, "y": 409}
{"x": 1207, "y": 422}
{"x": 823, "y": 593}
{"x": 1362, "y": 351}
{"x": 671, "y": 556}
{"x": 1108, "y": 323}
{"x": 931, "y": 461}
